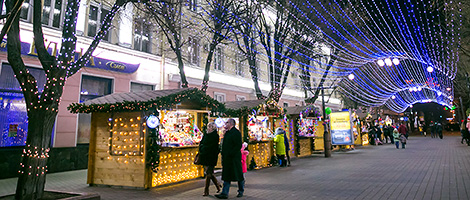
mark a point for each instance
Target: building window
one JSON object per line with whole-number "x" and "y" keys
{"x": 92, "y": 87}
{"x": 241, "y": 98}
{"x": 193, "y": 50}
{"x": 138, "y": 87}
{"x": 13, "y": 112}
{"x": 218, "y": 59}
{"x": 26, "y": 10}
{"x": 286, "y": 104}
{"x": 239, "y": 64}
{"x": 52, "y": 13}
{"x": 142, "y": 35}
{"x": 220, "y": 97}
{"x": 95, "y": 17}
{"x": 194, "y": 5}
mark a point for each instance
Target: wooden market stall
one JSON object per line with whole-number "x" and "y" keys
{"x": 256, "y": 123}
{"x": 307, "y": 131}
{"x": 146, "y": 139}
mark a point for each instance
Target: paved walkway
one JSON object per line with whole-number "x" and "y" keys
{"x": 426, "y": 169}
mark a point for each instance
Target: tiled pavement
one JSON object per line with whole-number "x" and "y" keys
{"x": 426, "y": 169}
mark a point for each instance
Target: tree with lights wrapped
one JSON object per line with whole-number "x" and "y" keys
{"x": 219, "y": 20}
{"x": 247, "y": 35}
{"x": 42, "y": 108}
{"x": 282, "y": 34}
{"x": 167, "y": 14}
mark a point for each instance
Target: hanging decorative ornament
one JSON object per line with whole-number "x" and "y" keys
{"x": 153, "y": 121}
{"x": 219, "y": 122}
{"x": 328, "y": 110}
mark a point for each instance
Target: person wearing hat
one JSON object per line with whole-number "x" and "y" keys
{"x": 280, "y": 147}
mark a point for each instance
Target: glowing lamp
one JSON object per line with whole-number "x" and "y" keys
{"x": 351, "y": 76}
{"x": 153, "y": 121}
{"x": 415, "y": 89}
{"x": 448, "y": 89}
{"x": 430, "y": 69}
{"x": 219, "y": 122}
{"x": 419, "y": 88}
{"x": 380, "y": 63}
{"x": 439, "y": 93}
{"x": 388, "y": 62}
{"x": 396, "y": 61}
{"x": 410, "y": 89}
{"x": 393, "y": 97}
{"x": 411, "y": 106}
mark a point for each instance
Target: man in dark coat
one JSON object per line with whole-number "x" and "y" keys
{"x": 231, "y": 160}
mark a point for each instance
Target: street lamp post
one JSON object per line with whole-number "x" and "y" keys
{"x": 326, "y": 135}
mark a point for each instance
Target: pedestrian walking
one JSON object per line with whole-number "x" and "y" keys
{"x": 286, "y": 144}
{"x": 208, "y": 155}
{"x": 464, "y": 133}
{"x": 387, "y": 134}
{"x": 396, "y": 137}
{"x": 280, "y": 147}
{"x": 244, "y": 156}
{"x": 390, "y": 130}
{"x": 439, "y": 129}
{"x": 403, "y": 140}
{"x": 432, "y": 129}
{"x": 403, "y": 130}
{"x": 231, "y": 160}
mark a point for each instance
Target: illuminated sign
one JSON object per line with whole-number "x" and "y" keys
{"x": 341, "y": 133}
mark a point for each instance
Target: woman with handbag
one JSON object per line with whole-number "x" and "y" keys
{"x": 208, "y": 155}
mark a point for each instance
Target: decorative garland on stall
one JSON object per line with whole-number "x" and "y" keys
{"x": 159, "y": 103}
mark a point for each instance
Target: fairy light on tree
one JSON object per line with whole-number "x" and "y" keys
{"x": 42, "y": 108}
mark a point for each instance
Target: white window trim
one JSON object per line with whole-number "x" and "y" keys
{"x": 220, "y": 94}
{"x": 98, "y": 26}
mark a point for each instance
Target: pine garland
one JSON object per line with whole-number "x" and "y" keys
{"x": 159, "y": 103}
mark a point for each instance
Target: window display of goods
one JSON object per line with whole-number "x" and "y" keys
{"x": 307, "y": 127}
{"x": 258, "y": 128}
{"x": 179, "y": 128}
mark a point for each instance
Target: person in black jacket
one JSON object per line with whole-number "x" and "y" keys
{"x": 231, "y": 160}
{"x": 208, "y": 155}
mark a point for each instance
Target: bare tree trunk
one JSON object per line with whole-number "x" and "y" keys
{"x": 179, "y": 57}
{"x": 254, "y": 77}
{"x": 207, "y": 68}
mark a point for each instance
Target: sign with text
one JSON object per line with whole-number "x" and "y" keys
{"x": 341, "y": 128}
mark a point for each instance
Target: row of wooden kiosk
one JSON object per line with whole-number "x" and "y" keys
{"x": 148, "y": 139}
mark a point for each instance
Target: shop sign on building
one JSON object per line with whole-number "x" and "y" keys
{"x": 95, "y": 62}
{"x": 341, "y": 128}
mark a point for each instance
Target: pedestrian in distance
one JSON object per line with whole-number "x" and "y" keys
{"x": 208, "y": 155}
{"x": 403, "y": 140}
{"x": 464, "y": 132}
{"x": 432, "y": 129}
{"x": 396, "y": 137}
{"x": 387, "y": 134}
{"x": 286, "y": 144}
{"x": 280, "y": 147}
{"x": 231, "y": 160}
{"x": 390, "y": 130}
{"x": 403, "y": 130}
{"x": 439, "y": 130}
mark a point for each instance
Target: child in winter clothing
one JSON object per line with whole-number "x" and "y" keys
{"x": 244, "y": 155}
{"x": 396, "y": 137}
{"x": 280, "y": 147}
